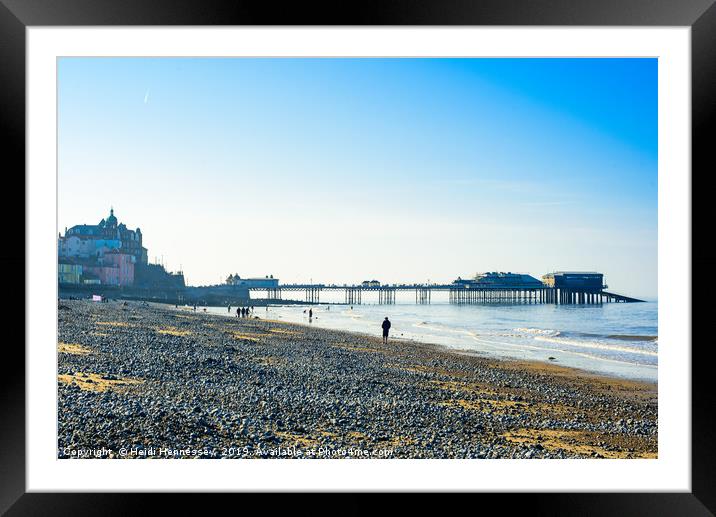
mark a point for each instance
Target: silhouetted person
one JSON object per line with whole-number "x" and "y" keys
{"x": 238, "y": 312}
{"x": 243, "y": 312}
{"x": 386, "y": 329}
{"x": 310, "y": 313}
{"x": 229, "y": 309}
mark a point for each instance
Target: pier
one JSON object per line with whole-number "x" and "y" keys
{"x": 386, "y": 295}
{"x": 557, "y": 288}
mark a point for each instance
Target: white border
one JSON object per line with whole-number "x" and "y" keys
{"x": 671, "y": 471}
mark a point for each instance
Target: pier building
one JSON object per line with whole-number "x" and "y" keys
{"x": 267, "y": 282}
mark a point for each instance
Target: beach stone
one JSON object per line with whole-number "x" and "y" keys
{"x": 307, "y": 385}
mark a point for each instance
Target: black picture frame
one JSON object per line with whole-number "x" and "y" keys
{"x": 700, "y": 15}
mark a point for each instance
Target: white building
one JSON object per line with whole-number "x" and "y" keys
{"x": 268, "y": 282}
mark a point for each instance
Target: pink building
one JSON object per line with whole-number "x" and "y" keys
{"x": 124, "y": 264}
{"x": 115, "y": 269}
{"x": 108, "y": 275}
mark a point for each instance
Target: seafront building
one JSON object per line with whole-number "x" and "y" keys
{"x": 93, "y": 241}
{"x": 108, "y": 254}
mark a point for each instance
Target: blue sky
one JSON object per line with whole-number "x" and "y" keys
{"x": 344, "y": 169}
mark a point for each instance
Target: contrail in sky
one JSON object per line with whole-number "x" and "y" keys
{"x": 146, "y": 97}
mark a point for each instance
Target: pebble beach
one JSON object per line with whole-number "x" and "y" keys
{"x": 146, "y": 381}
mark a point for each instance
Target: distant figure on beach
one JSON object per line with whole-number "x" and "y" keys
{"x": 229, "y": 309}
{"x": 243, "y": 312}
{"x": 194, "y": 307}
{"x": 238, "y": 312}
{"x": 310, "y": 313}
{"x": 386, "y": 329}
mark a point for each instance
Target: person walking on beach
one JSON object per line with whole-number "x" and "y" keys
{"x": 386, "y": 329}
{"x": 310, "y": 313}
{"x": 238, "y": 312}
{"x": 229, "y": 309}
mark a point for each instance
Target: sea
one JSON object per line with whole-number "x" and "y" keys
{"x": 613, "y": 339}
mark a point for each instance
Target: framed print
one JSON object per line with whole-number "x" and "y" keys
{"x": 444, "y": 248}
